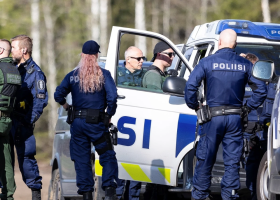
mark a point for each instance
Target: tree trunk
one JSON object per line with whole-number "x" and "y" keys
{"x": 50, "y": 50}
{"x": 266, "y": 11}
{"x": 95, "y": 29}
{"x": 155, "y": 19}
{"x": 140, "y": 23}
{"x": 103, "y": 26}
{"x": 166, "y": 17}
{"x": 204, "y": 11}
{"x": 35, "y": 31}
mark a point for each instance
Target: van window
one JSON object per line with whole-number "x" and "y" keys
{"x": 201, "y": 52}
{"x": 263, "y": 52}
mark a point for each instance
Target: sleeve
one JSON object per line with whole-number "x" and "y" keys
{"x": 192, "y": 85}
{"x": 259, "y": 89}
{"x": 153, "y": 80}
{"x": 40, "y": 97}
{"x": 62, "y": 90}
{"x": 111, "y": 93}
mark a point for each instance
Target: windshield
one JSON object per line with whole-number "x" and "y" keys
{"x": 263, "y": 52}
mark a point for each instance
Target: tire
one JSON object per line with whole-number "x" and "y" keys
{"x": 56, "y": 186}
{"x": 262, "y": 182}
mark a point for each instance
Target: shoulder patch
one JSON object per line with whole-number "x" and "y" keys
{"x": 41, "y": 84}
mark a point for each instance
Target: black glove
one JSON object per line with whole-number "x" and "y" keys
{"x": 254, "y": 141}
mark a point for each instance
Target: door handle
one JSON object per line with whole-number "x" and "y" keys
{"x": 121, "y": 97}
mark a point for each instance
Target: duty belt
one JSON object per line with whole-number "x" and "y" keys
{"x": 83, "y": 114}
{"x": 225, "y": 110}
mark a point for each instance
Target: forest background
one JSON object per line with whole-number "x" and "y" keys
{"x": 60, "y": 27}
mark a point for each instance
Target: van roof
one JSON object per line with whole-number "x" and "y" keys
{"x": 245, "y": 28}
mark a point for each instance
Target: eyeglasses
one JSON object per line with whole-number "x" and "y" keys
{"x": 170, "y": 54}
{"x": 139, "y": 58}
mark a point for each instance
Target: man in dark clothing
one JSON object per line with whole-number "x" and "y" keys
{"x": 155, "y": 76}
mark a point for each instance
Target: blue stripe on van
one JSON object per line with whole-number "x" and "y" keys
{"x": 185, "y": 131}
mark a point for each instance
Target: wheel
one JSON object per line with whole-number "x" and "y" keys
{"x": 263, "y": 180}
{"x": 56, "y": 186}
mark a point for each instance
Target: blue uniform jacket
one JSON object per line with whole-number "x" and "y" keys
{"x": 263, "y": 113}
{"x": 105, "y": 98}
{"x": 226, "y": 75}
{"x": 33, "y": 91}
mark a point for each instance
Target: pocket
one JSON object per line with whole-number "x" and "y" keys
{"x": 267, "y": 108}
{"x": 201, "y": 147}
{"x": 5, "y": 126}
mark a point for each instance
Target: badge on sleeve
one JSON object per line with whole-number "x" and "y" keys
{"x": 41, "y": 84}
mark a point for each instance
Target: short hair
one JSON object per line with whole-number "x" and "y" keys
{"x": 252, "y": 57}
{"x": 24, "y": 42}
{"x": 127, "y": 52}
{"x": 7, "y": 41}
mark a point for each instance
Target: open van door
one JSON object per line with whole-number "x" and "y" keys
{"x": 156, "y": 130}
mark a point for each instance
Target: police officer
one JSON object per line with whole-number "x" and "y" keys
{"x": 132, "y": 73}
{"x": 11, "y": 80}
{"x": 226, "y": 75}
{"x": 93, "y": 91}
{"x": 31, "y": 99}
{"x": 256, "y": 131}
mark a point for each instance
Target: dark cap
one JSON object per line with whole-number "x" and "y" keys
{"x": 90, "y": 47}
{"x": 160, "y": 47}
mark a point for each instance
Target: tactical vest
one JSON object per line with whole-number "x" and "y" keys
{"x": 10, "y": 81}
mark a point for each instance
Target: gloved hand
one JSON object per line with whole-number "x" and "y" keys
{"x": 254, "y": 141}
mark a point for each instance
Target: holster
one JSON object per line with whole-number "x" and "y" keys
{"x": 114, "y": 133}
{"x": 203, "y": 114}
{"x": 70, "y": 115}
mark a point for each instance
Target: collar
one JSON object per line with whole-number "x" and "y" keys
{"x": 153, "y": 67}
{"x": 225, "y": 50}
{"x": 137, "y": 72}
{"x": 7, "y": 60}
{"x": 26, "y": 64}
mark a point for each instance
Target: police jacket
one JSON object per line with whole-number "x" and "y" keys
{"x": 125, "y": 77}
{"x": 33, "y": 92}
{"x": 226, "y": 75}
{"x": 105, "y": 98}
{"x": 263, "y": 113}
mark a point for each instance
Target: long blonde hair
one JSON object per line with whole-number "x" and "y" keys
{"x": 90, "y": 74}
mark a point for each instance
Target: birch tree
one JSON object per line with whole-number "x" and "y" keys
{"x": 103, "y": 26}
{"x": 35, "y": 31}
{"x": 51, "y": 65}
{"x": 166, "y": 17}
{"x": 266, "y": 11}
{"x": 203, "y": 17}
{"x": 140, "y": 23}
{"x": 95, "y": 29}
{"x": 155, "y": 19}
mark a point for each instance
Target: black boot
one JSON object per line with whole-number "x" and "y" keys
{"x": 110, "y": 194}
{"x": 87, "y": 196}
{"x": 36, "y": 194}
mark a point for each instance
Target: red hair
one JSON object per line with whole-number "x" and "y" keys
{"x": 90, "y": 74}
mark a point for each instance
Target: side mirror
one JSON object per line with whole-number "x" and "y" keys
{"x": 263, "y": 70}
{"x": 175, "y": 86}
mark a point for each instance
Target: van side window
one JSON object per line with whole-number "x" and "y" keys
{"x": 188, "y": 53}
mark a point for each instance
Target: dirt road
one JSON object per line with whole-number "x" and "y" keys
{"x": 23, "y": 192}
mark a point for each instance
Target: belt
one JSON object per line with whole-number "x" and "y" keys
{"x": 225, "y": 110}
{"x": 83, "y": 114}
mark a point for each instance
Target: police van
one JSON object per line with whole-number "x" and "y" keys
{"x": 157, "y": 131}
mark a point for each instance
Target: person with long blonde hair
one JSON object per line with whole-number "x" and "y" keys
{"x": 94, "y": 101}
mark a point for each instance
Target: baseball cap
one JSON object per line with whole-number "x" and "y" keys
{"x": 90, "y": 47}
{"x": 159, "y": 47}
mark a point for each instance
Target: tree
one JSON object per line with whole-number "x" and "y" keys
{"x": 103, "y": 25}
{"x": 35, "y": 30}
{"x": 49, "y": 22}
{"x": 140, "y": 23}
{"x": 266, "y": 11}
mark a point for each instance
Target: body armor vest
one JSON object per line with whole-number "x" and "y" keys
{"x": 10, "y": 81}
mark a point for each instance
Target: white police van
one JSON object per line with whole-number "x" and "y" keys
{"x": 157, "y": 131}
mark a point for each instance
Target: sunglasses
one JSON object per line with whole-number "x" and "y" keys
{"x": 139, "y": 58}
{"x": 170, "y": 54}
